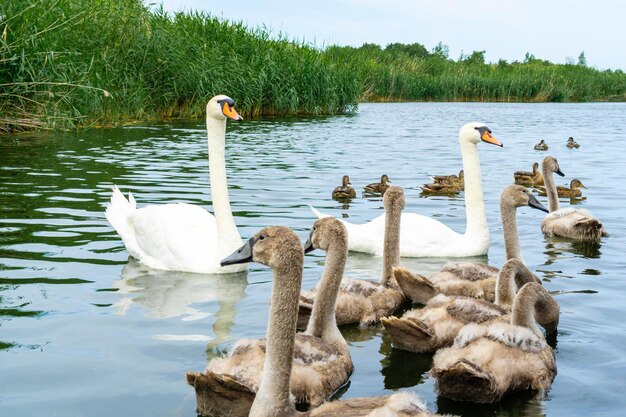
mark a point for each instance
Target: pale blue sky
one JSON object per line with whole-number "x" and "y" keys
{"x": 549, "y": 29}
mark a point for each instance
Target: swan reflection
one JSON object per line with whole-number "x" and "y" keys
{"x": 170, "y": 294}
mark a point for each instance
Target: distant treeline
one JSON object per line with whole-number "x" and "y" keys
{"x": 410, "y": 72}
{"x": 65, "y": 63}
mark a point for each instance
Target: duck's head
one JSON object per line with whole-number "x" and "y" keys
{"x": 550, "y": 164}
{"x": 345, "y": 181}
{"x": 384, "y": 179}
{"x": 476, "y": 132}
{"x": 324, "y": 233}
{"x": 273, "y": 246}
{"x": 520, "y": 196}
{"x": 576, "y": 184}
{"x": 394, "y": 198}
{"x": 222, "y": 107}
{"x": 570, "y": 139}
{"x": 535, "y": 166}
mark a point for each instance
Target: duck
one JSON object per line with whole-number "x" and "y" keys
{"x": 529, "y": 179}
{"x": 184, "y": 237}
{"x": 279, "y": 248}
{"x": 490, "y": 360}
{"x": 573, "y": 191}
{"x": 345, "y": 190}
{"x": 541, "y": 146}
{"x": 363, "y": 301}
{"x": 449, "y": 179}
{"x": 578, "y": 224}
{"x": 323, "y": 362}
{"x": 441, "y": 188}
{"x": 472, "y": 279}
{"x": 437, "y": 324}
{"x": 423, "y": 236}
{"x": 572, "y": 144}
{"x": 378, "y": 187}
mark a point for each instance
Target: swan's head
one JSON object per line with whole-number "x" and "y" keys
{"x": 274, "y": 246}
{"x": 393, "y": 199}
{"x": 519, "y": 196}
{"x": 324, "y": 233}
{"x": 222, "y": 107}
{"x": 476, "y": 132}
{"x": 576, "y": 184}
{"x": 550, "y": 164}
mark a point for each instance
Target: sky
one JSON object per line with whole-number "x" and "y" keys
{"x": 555, "y": 30}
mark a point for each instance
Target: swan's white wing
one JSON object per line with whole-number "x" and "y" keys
{"x": 179, "y": 237}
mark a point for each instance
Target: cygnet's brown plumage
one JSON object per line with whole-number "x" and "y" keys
{"x": 567, "y": 222}
{"x": 345, "y": 190}
{"x": 571, "y": 143}
{"x": 541, "y": 146}
{"x": 279, "y": 248}
{"x": 529, "y": 178}
{"x": 366, "y": 302}
{"x": 476, "y": 280}
{"x": 490, "y": 360}
{"x": 378, "y": 187}
{"x": 573, "y": 191}
{"x": 436, "y": 325}
{"x": 322, "y": 362}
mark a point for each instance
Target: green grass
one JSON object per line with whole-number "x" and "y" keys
{"x": 65, "y": 63}
{"x": 69, "y": 63}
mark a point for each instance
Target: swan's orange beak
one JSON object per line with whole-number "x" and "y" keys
{"x": 229, "y": 111}
{"x": 489, "y": 138}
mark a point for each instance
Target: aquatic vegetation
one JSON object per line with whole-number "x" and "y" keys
{"x": 65, "y": 63}
{"x": 68, "y": 63}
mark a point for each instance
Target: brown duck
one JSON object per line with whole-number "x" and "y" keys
{"x": 345, "y": 190}
{"x": 529, "y": 179}
{"x": 378, "y": 187}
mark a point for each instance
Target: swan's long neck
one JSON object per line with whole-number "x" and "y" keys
{"x": 322, "y": 323}
{"x": 548, "y": 180}
{"x": 477, "y": 226}
{"x": 512, "y": 275}
{"x": 534, "y": 303}
{"x": 391, "y": 242}
{"x": 509, "y": 229}
{"x": 227, "y": 233}
{"x": 273, "y": 397}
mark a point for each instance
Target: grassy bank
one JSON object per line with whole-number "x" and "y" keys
{"x": 70, "y": 62}
{"x": 65, "y": 63}
{"x": 411, "y": 72}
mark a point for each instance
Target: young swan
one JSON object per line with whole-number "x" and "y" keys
{"x": 279, "y": 248}
{"x": 322, "y": 362}
{"x": 437, "y": 324}
{"x": 476, "y": 280}
{"x": 490, "y": 360}
{"x": 529, "y": 179}
{"x": 361, "y": 301}
{"x": 345, "y": 190}
{"x": 567, "y": 222}
{"x": 378, "y": 187}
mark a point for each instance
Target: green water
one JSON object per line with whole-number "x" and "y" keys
{"x": 86, "y": 332}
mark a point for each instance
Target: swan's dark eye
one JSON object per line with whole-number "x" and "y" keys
{"x": 314, "y": 227}
{"x": 261, "y": 237}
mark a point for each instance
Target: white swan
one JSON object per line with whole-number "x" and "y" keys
{"x": 422, "y": 236}
{"x": 184, "y": 237}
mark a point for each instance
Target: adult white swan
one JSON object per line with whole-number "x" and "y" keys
{"x": 423, "y": 236}
{"x": 184, "y": 237}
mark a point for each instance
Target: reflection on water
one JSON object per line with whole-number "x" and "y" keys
{"x": 73, "y": 305}
{"x": 168, "y": 294}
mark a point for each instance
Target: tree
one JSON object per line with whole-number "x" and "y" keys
{"x": 582, "y": 61}
{"x": 441, "y": 51}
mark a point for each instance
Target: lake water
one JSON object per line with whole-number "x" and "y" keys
{"x": 84, "y": 331}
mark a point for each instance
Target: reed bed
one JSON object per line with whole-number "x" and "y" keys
{"x": 69, "y": 63}
{"x": 66, "y": 63}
